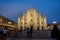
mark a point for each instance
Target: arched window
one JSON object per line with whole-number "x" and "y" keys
{"x": 37, "y": 18}
{"x": 25, "y": 23}
{"x": 25, "y": 19}
{"x": 38, "y": 22}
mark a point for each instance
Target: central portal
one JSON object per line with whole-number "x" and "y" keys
{"x": 31, "y": 24}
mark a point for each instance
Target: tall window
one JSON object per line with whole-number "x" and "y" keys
{"x": 37, "y": 22}
{"x": 25, "y": 19}
{"x": 42, "y": 22}
{"x": 37, "y": 18}
{"x": 31, "y": 15}
{"x": 25, "y": 23}
{"x": 21, "y": 23}
{"x": 31, "y": 19}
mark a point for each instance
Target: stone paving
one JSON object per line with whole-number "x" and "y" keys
{"x": 37, "y": 35}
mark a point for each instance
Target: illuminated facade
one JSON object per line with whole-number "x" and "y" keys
{"x": 32, "y": 18}
{"x": 5, "y": 22}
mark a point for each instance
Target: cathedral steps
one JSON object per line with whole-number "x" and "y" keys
{"x": 36, "y": 35}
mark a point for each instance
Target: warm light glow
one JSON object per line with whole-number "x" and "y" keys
{"x": 32, "y": 18}
{"x": 0, "y": 19}
{"x": 9, "y": 22}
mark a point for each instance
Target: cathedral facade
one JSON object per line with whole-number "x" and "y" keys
{"x": 32, "y": 18}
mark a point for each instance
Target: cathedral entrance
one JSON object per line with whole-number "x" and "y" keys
{"x": 31, "y": 25}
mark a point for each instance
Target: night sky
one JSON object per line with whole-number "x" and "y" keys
{"x": 11, "y": 8}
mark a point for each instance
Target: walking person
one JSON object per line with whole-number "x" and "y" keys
{"x": 28, "y": 32}
{"x": 31, "y": 31}
{"x": 55, "y": 33}
{"x": 5, "y": 30}
{"x": 1, "y": 35}
{"x": 4, "y": 35}
{"x": 20, "y": 30}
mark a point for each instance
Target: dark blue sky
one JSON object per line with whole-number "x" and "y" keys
{"x": 11, "y": 8}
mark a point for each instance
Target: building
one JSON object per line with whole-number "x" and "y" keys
{"x": 32, "y": 18}
{"x": 5, "y": 22}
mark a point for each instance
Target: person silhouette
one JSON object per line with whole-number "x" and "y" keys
{"x": 5, "y": 31}
{"x": 55, "y": 33}
{"x": 38, "y": 28}
{"x": 28, "y": 32}
{"x": 21, "y": 30}
{"x": 31, "y": 31}
{"x": 25, "y": 29}
{"x": 4, "y": 34}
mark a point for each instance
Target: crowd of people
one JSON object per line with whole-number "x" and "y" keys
{"x": 29, "y": 31}
{"x": 3, "y": 33}
{"x": 55, "y": 32}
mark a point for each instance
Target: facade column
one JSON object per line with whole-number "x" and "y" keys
{"x": 19, "y": 22}
{"x": 44, "y": 22}
{"x": 41, "y": 20}
{"x": 23, "y": 22}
